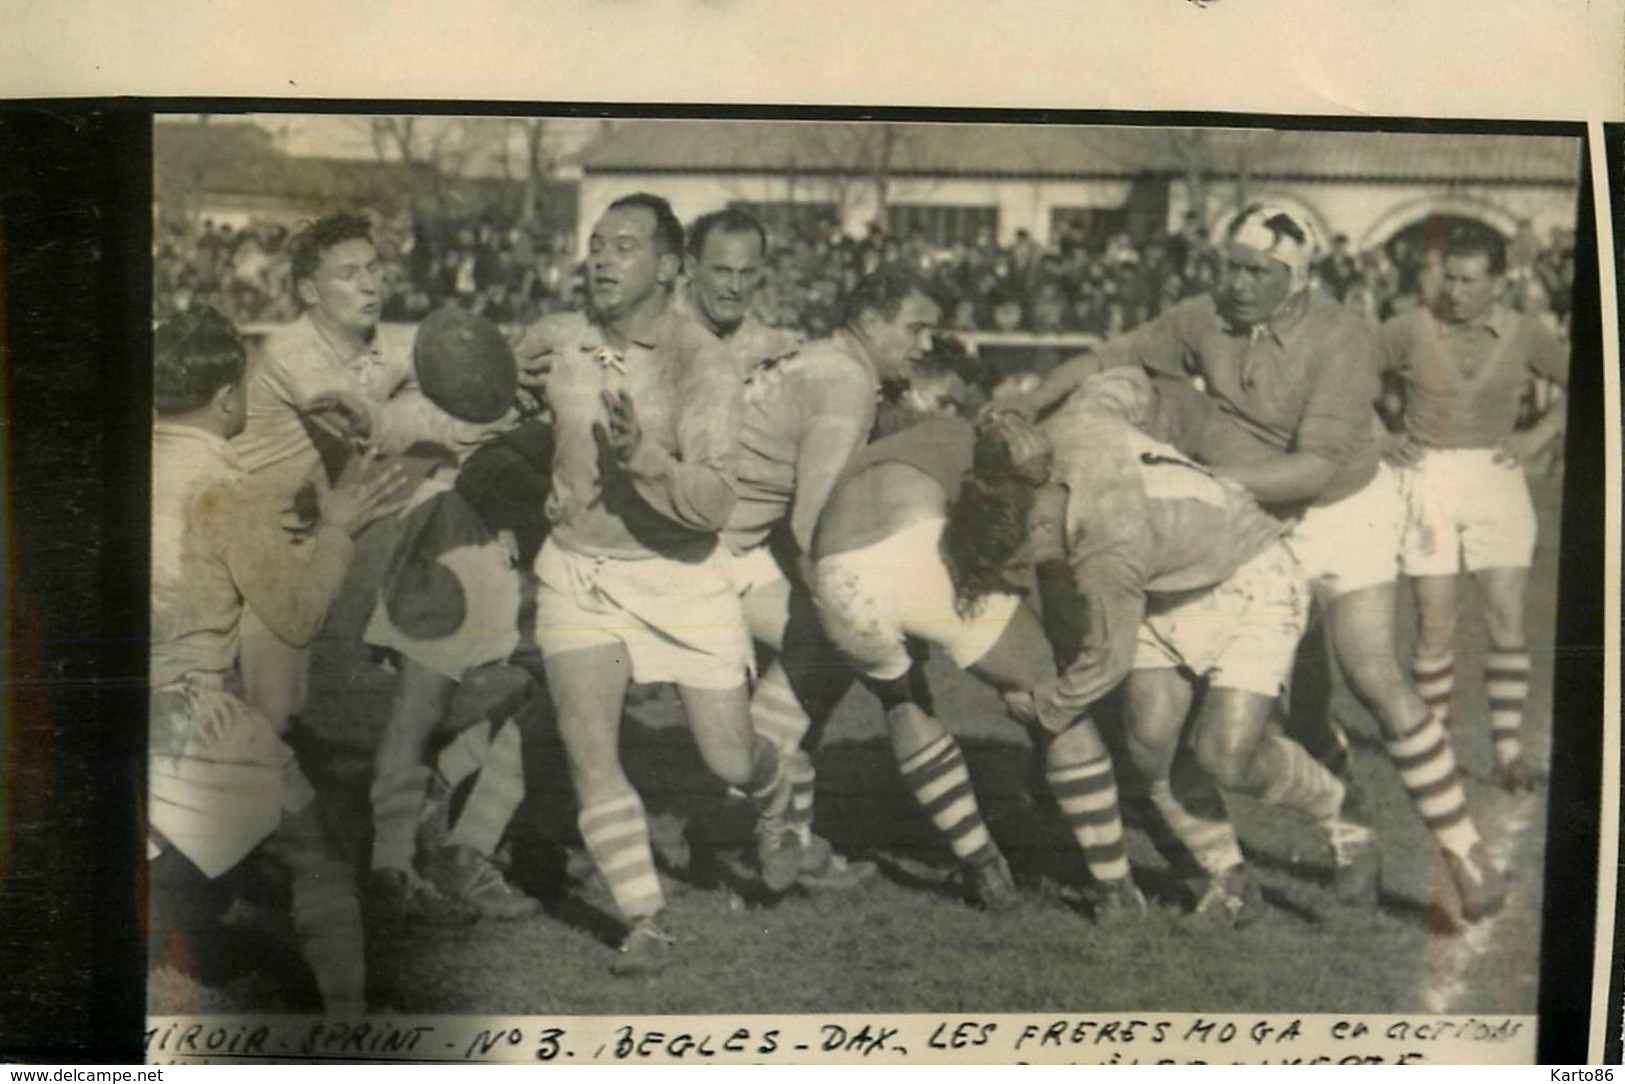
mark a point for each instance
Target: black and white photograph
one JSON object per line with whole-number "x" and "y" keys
{"x": 617, "y": 566}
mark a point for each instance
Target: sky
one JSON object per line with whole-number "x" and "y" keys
{"x": 330, "y": 136}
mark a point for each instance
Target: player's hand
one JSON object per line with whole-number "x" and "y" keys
{"x": 374, "y": 491}
{"x": 1402, "y": 451}
{"x": 1021, "y": 705}
{"x": 343, "y": 411}
{"x": 1019, "y": 404}
{"x": 619, "y": 433}
{"x": 1520, "y": 449}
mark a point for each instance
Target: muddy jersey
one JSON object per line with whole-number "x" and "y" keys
{"x": 1141, "y": 519}
{"x": 677, "y": 493}
{"x": 803, "y": 417}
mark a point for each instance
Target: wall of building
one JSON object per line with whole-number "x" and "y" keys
{"x": 1372, "y": 213}
{"x": 1022, "y": 204}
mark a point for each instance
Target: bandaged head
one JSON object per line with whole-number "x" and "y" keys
{"x": 1280, "y": 234}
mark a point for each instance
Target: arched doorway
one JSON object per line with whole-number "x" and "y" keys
{"x": 1408, "y": 248}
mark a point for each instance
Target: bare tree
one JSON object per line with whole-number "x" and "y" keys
{"x": 845, "y": 156}
{"x": 538, "y": 166}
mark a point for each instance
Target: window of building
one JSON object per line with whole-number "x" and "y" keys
{"x": 785, "y": 220}
{"x": 941, "y": 224}
{"x": 1090, "y": 227}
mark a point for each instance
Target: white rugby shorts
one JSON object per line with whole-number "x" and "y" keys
{"x": 1354, "y": 543}
{"x": 1463, "y": 509}
{"x": 1239, "y": 634}
{"x": 678, "y": 621}
{"x": 872, "y": 600}
{"x": 489, "y": 589}
{"x": 219, "y": 778}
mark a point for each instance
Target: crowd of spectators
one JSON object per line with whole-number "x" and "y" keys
{"x": 1076, "y": 284}
{"x": 509, "y": 271}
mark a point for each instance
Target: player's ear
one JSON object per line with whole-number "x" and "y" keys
{"x": 224, "y": 398}
{"x": 305, "y": 290}
{"x": 670, "y": 264}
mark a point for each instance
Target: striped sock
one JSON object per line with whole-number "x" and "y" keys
{"x": 1427, "y": 768}
{"x": 617, "y": 836}
{"x": 1506, "y": 680}
{"x": 940, "y": 782}
{"x": 1435, "y": 677}
{"x": 803, "y": 780}
{"x": 496, "y": 794}
{"x": 1212, "y": 843}
{"x": 766, "y": 787}
{"x": 397, "y": 807}
{"x": 1295, "y": 780}
{"x": 775, "y": 713}
{"x": 1087, "y": 795}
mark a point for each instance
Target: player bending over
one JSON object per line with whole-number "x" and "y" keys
{"x": 879, "y": 580}
{"x": 1182, "y": 581}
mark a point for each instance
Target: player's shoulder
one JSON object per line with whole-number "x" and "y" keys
{"x": 1534, "y": 330}
{"x": 555, "y": 329}
{"x": 1338, "y": 318}
{"x": 1196, "y": 313}
{"x": 698, "y": 352}
{"x": 1407, "y": 323}
{"x": 293, "y": 345}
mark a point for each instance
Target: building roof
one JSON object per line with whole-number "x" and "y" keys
{"x": 1071, "y": 152}
{"x": 233, "y": 158}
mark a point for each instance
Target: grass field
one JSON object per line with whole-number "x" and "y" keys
{"x": 908, "y": 942}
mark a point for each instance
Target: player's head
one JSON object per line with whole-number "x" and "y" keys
{"x": 334, "y": 268}
{"x": 1268, "y": 254}
{"x": 892, "y": 313}
{"x": 726, "y": 253}
{"x": 1471, "y": 264}
{"x": 1009, "y": 446}
{"x": 988, "y": 538}
{"x": 198, "y": 365}
{"x": 634, "y": 254}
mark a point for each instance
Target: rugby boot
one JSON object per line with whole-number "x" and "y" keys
{"x": 1518, "y": 776}
{"x": 1481, "y": 887}
{"x": 1356, "y": 862}
{"x": 991, "y": 885}
{"x": 1117, "y": 902}
{"x": 822, "y": 870}
{"x": 1232, "y": 896}
{"x": 778, "y": 854}
{"x": 646, "y": 950}
{"x": 400, "y": 897}
{"x": 462, "y": 873}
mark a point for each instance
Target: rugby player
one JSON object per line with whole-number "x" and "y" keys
{"x": 1289, "y": 380}
{"x": 333, "y": 358}
{"x": 222, "y": 781}
{"x": 804, "y": 416}
{"x": 1182, "y": 581}
{"x": 880, "y": 580}
{"x": 1464, "y": 363}
{"x": 723, "y": 272}
{"x": 633, "y": 582}
{"x": 448, "y": 614}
